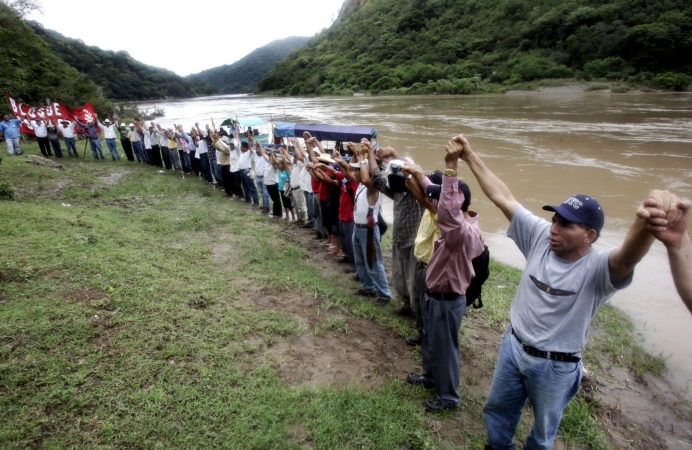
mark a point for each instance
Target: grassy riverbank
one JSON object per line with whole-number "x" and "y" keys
{"x": 144, "y": 310}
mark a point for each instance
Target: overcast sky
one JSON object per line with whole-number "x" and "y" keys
{"x": 185, "y": 36}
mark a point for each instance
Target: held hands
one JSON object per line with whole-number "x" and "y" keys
{"x": 666, "y": 216}
{"x": 365, "y": 147}
{"x": 351, "y": 148}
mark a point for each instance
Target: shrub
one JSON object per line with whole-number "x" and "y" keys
{"x": 534, "y": 68}
{"x": 6, "y": 191}
{"x": 673, "y": 81}
{"x": 611, "y": 68}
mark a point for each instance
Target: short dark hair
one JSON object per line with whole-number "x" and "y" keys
{"x": 587, "y": 227}
{"x": 244, "y": 145}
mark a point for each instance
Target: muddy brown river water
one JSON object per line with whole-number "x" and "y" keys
{"x": 546, "y": 147}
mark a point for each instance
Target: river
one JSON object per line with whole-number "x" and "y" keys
{"x": 546, "y": 147}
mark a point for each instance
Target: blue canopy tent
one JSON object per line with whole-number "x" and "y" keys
{"x": 324, "y": 132}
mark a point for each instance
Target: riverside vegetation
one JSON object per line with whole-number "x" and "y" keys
{"x": 140, "y": 309}
{"x": 452, "y": 47}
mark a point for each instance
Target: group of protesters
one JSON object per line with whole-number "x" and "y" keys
{"x": 435, "y": 239}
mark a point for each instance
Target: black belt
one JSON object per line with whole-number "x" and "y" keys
{"x": 555, "y": 356}
{"x": 442, "y": 295}
{"x": 421, "y": 265}
{"x": 361, "y": 225}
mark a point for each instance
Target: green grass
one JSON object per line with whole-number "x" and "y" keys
{"x": 120, "y": 326}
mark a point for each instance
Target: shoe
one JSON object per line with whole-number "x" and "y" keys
{"x": 343, "y": 260}
{"x": 436, "y": 405}
{"x": 319, "y": 236}
{"x": 403, "y": 311}
{"x": 414, "y": 340}
{"x": 307, "y": 225}
{"x": 355, "y": 277}
{"x": 383, "y": 301}
{"x": 349, "y": 269}
{"x": 365, "y": 293}
{"x": 420, "y": 380}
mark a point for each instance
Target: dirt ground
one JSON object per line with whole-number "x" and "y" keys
{"x": 338, "y": 348}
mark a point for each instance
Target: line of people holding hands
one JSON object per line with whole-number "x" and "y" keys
{"x": 435, "y": 237}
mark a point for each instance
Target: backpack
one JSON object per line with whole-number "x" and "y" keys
{"x": 481, "y": 266}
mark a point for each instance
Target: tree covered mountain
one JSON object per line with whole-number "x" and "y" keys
{"x": 30, "y": 71}
{"x": 119, "y": 75}
{"x": 243, "y": 75}
{"x": 452, "y": 46}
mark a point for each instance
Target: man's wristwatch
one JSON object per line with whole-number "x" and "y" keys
{"x": 450, "y": 172}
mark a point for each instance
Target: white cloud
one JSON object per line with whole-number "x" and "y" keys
{"x": 185, "y": 37}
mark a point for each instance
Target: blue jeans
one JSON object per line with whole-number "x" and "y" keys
{"x": 55, "y": 143}
{"x": 206, "y": 169}
{"x": 263, "y": 191}
{"x": 249, "y": 189}
{"x": 96, "y": 145}
{"x": 549, "y": 384}
{"x": 217, "y": 173}
{"x": 13, "y": 146}
{"x": 137, "y": 148}
{"x": 185, "y": 161}
{"x": 69, "y": 145}
{"x": 113, "y": 148}
{"x": 371, "y": 278}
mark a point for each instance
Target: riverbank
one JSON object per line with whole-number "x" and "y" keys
{"x": 144, "y": 309}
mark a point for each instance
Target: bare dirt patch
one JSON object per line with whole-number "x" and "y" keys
{"x": 336, "y": 348}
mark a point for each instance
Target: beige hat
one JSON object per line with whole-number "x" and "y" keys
{"x": 325, "y": 159}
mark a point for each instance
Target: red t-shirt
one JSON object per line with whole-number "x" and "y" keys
{"x": 324, "y": 191}
{"x": 315, "y": 185}
{"x": 346, "y": 200}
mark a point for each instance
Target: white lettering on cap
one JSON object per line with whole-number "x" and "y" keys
{"x": 573, "y": 202}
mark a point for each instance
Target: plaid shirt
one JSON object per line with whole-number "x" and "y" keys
{"x": 407, "y": 213}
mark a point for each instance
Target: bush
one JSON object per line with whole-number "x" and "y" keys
{"x": 673, "y": 81}
{"x": 6, "y": 191}
{"x": 535, "y": 68}
{"x": 613, "y": 68}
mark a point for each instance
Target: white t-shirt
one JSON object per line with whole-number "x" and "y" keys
{"x": 108, "y": 130}
{"x": 360, "y": 205}
{"x": 556, "y": 299}
{"x": 68, "y": 131}
{"x": 298, "y": 167}
{"x": 39, "y": 130}
{"x": 271, "y": 173}
{"x": 244, "y": 161}
{"x": 260, "y": 163}
{"x": 201, "y": 147}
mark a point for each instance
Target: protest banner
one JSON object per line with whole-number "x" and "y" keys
{"x": 53, "y": 111}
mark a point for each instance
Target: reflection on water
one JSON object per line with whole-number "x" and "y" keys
{"x": 545, "y": 147}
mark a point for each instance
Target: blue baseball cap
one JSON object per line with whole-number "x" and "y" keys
{"x": 581, "y": 208}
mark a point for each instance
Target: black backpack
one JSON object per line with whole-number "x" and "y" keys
{"x": 481, "y": 266}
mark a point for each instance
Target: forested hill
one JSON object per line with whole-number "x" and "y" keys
{"x": 453, "y": 46}
{"x": 119, "y": 75}
{"x": 30, "y": 72}
{"x": 243, "y": 75}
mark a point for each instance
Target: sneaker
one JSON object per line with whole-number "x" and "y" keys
{"x": 420, "y": 380}
{"x": 383, "y": 301}
{"x": 355, "y": 277}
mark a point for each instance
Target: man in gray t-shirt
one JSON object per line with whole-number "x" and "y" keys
{"x": 564, "y": 283}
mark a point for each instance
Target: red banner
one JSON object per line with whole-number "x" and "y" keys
{"x": 54, "y": 111}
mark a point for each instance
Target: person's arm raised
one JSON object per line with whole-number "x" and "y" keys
{"x": 671, "y": 229}
{"x": 496, "y": 190}
{"x": 415, "y": 188}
